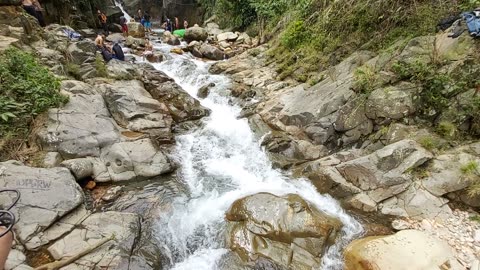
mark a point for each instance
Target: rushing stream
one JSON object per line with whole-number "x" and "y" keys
{"x": 219, "y": 163}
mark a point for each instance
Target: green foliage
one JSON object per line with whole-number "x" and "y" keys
{"x": 27, "y": 89}
{"x": 471, "y": 171}
{"x": 447, "y": 129}
{"x": 294, "y": 35}
{"x": 436, "y": 86}
{"x": 100, "y": 66}
{"x": 239, "y": 14}
{"x": 430, "y": 143}
{"x": 475, "y": 218}
{"x": 73, "y": 70}
{"x": 469, "y": 4}
{"x": 470, "y": 168}
{"x": 439, "y": 91}
{"x": 365, "y": 79}
{"x": 334, "y": 29}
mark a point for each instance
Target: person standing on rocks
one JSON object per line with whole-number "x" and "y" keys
{"x": 169, "y": 26}
{"x": 176, "y": 26}
{"x": 185, "y": 23}
{"x": 139, "y": 16}
{"x": 39, "y": 14}
{"x": 123, "y": 23}
{"x": 147, "y": 23}
{"x": 103, "y": 21}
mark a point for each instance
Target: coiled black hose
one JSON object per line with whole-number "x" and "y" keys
{"x": 7, "y": 218}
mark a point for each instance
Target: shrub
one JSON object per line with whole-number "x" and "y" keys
{"x": 434, "y": 97}
{"x": 365, "y": 79}
{"x": 27, "y": 89}
{"x": 294, "y": 35}
{"x": 73, "y": 70}
{"x": 100, "y": 66}
{"x": 447, "y": 129}
{"x": 471, "y": 171}
{"x": 430, "y": 143}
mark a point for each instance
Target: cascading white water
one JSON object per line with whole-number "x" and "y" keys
{"x": 125, "y": 14}
{"x": 220, "y": 163}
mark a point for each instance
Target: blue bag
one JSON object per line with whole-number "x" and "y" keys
{"x": 473, "y": 23}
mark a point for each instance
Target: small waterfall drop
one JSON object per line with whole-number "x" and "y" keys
{"x": 125, "y": 14}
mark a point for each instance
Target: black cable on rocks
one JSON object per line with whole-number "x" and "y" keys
{"x": 7, "y": 218}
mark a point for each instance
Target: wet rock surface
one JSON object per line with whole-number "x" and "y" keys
{"x": 292, "y": 233}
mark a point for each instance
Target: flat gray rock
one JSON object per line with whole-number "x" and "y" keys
{"x": 79, "y": 129}
{"x": 125, "y": 227}
{"x": 46, "y": 196}
{"x": 135, "y": 160}
{"x": 134, "y": 108}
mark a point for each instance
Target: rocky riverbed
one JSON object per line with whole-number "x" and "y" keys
{"x": 180, "y": 182}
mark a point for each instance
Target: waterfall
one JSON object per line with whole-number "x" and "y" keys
{"x": 220, "y": 163}
{"x": 125, "y": 14}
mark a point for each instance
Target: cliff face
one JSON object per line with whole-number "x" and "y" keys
{"x": 79, "y": 14}
{"x": 162, "y": 9}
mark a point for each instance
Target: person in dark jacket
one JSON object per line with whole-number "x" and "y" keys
{"x": 39, "y": 14}
{"x": 118, "y": 52}
{"x": 106, "y": 53}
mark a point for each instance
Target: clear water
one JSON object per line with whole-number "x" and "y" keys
{"x": 220, "y": 163}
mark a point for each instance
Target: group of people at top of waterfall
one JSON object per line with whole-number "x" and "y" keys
{"x": 145, "y": 19}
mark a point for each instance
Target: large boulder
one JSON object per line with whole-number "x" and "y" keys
{"x": 211, "y": 52}
{"x": 125, "y": 161}
{"x": 446, "y": 175}
{"x": 135, "y": 109}
{"x": 113, "y": 14}
{"x": 392, "y": 102}
{"x": 416, "y": 203}
{"x": 123, "y": 70}
{"x": 381, "y": 181}
{"x": 302, "y": 105}
{"x": 227, "y": 36}
{"x": 136, "y": 30}
{"x": 80, "y": 128}
{"x": 81, "y": 50}
{"x": 291, "y": 232}
{"x": 122, "y": 228}
{"x": 213, "y": 29}
{"x": 180, "y": 104}
{"x": 413, "y": 250}
{"x": 45, "y": 196}
{"x": 195, "y": 33}
{"x": 387, "y": 171}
